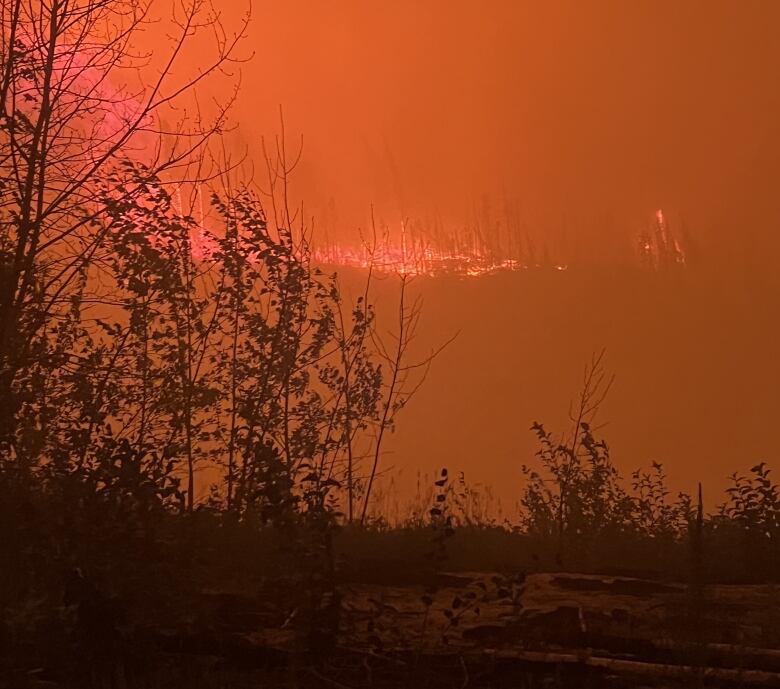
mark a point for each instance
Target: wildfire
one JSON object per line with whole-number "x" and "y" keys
{"x": 659, "y": 248}
{"x": 420, "y": 260}
{"x": 471, "y": 253}
{"x": 457, "y": 255}
{"x": 466, "y": 253}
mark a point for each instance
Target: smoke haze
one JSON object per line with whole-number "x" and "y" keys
{"x": 585, "y": 113}
{"x": 589, "y": 117}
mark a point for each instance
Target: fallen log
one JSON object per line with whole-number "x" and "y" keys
{"x": 644, "y": 669}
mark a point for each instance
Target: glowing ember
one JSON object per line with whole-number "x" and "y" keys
{"x": 658, "y": 247}
{"x": 420, "y": 260}
{"x": 468, "y": 252}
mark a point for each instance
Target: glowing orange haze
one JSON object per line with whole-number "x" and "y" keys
{"x": 590, "y": 115}
{"x": 584, "y": 117}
